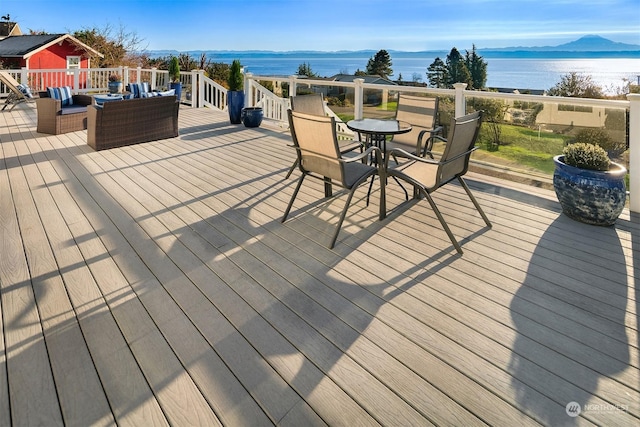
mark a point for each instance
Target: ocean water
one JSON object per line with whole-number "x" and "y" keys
{"x": 508, "y": 72}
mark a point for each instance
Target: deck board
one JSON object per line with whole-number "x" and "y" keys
{"x": 155, "y": 284}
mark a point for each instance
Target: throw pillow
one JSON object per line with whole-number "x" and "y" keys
{"x": 61, "y": 93}
{"x": 25, "y": 90}
{"x": 170, "y": 92}
{"x": 138, "y": 90}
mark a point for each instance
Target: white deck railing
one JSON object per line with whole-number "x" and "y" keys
{"x": 597, "y": 109}
{"x": 200, "y": 91}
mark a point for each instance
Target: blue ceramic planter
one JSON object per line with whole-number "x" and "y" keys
{"x": 235, "y": 102}
{"x": 252, "y": 116}
{"x": 177, "y": 86}
{"x": 592, "y": 197}
{"x": 115, "y": 87}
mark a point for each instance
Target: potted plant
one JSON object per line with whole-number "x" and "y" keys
{"x": 115, "y": 83}
{"x": 252, "y": 116}
{"x": 235, "y": 94}
{"x": 174, "y": 77}
{"x": 589, "y": 186}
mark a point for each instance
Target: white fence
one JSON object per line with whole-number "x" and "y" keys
{"x": 200, "y": 91}
{"x": 591, "y": 111}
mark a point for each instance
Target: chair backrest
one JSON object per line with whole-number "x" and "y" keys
{"x": 317, "y": 145}
{"x": 420, "y": 111}
{"x": 309, "y": 104}
{"x": 462, "y": 138}
{"x": 10, "y": 82}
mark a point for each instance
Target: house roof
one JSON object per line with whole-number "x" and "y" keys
{"x": 24, "y": 46}
{"x": 367, "y": 79}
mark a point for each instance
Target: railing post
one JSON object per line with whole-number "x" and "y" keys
{"x": 461, "y": 105}
{"x": 634, "y": 152}
{"x": 249, "y": 100}
{"x": 76, "y": 80}
{"x": 199, "y": 93}
{"x": 358, "y": 99}
{"x": 293, "y": 85}
{"x": 24, "y": 76}
{"x": 154, "y": 76}
{"x": 125, "y": 76}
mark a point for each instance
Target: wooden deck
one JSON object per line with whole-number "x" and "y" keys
{"x": 154, "y": 284}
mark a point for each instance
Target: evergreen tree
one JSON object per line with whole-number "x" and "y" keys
{"x": 477, "y": 67}
{"x": 438, "y": 74}
{"x": 304, "y": 69}
{"x": 380, "y": 64}
{"x": 458, "y": 71}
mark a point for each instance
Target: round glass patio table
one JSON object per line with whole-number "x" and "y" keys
{"x": 376, "y": 130}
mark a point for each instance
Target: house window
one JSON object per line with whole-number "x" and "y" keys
{"x": 73, "y": 62}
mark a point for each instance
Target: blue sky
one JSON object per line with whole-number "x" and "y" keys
{"x": 330, "y": 25}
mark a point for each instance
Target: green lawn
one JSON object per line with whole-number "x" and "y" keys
{"x": 520, "y": 146}
{"x": 525, "y": 146}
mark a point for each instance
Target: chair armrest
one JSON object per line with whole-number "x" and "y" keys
{"x": 48, "y": 106}
{"x": 364, "y": 155}
{"x": 433, "y": 135}
{"x": 399, "y": 152}
{"x": 402, "y": 153}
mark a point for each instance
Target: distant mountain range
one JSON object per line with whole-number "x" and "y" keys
{"x": 587, "y": 46}
{"x": 590, "y": 43}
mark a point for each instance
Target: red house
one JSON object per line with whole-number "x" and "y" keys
{"x": 45, "y": 52}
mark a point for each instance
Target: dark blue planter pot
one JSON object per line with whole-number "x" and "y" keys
{"x": 178, "y": 88}
{"x": 115, "y": 87}
{"x": 235, "y": 102}
{"x": 592, "y": 197}
{"x": 252, "y": 116}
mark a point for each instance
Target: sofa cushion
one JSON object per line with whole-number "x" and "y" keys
{"x": 170, "y": 92}
{"x": 61, "y": 93}
{"x": 73, "y": 109}
{"x": 138, "y": 89}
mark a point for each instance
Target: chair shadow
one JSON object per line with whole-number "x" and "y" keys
{"x": 568, "y": 339}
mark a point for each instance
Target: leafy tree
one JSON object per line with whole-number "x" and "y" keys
{"x": 438, "y": 74}
{"x": 477, "y": 67}
{"x": 359, "y": 72}
{"x": 219, "y": 72}
{"x": 494, "y": 111}
{"x": 119, "y": 46}
{"x": 380, "y": 64}
{"x": 458, "y": 71}
{"x": 576, "y": 85}
{"x": 304, "y": 69}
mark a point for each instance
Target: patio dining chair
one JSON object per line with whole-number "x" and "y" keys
{"x": 19, "y": 93}
{"x": 427, "y": 175}
{"x": 422, "y": 113}
{"x": 314, "y": 104}
{"x": 319, "y": 156}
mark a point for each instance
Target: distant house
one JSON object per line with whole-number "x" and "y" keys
{"x": 9, "y": 29}
{"x": 44, "y": 52}
{"x": 370, "y": 96}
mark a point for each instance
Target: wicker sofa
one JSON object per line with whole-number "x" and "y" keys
{"x": 132, "y": 121}
{"x": 55, "y": 119}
